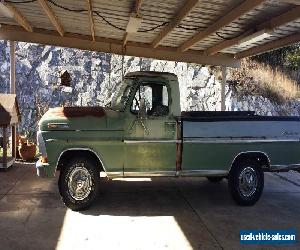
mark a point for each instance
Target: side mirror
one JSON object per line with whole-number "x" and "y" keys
{"x": 142, "y": 108}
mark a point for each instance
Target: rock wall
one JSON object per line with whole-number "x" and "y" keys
{"x": 96, "y": 76}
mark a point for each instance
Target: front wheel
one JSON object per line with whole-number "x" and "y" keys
{"x": 246, "y": 182}
{"x": 79, "y": 183}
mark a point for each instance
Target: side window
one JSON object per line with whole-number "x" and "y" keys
{"x": 143, "y": 92}
{"x": 154, "y": 99}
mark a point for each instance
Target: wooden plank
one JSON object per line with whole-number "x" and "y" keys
{"x": 180, "y": 15}
{"x": 223, "y": 88}
{"x": 234, "y": 14}
{"x": 71, "y": 40}
{"x": 5, "y": 135}
{"x": 269, "y": 46}
{"x": 125, "y": 39}
{"x": 19, "y": 18}
{"x": 50, "y": 13}
{"x": 275, "y": 22}
{"x": 137, "y": 7}
{"x": 282, "y": 19}
{"x": 12, "y": 56}
{"x": 91, "y": 18}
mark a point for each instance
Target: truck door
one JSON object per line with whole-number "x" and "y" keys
{"x": 150, "y": 131}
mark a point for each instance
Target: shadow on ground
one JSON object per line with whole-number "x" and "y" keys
{"x": 158, "y": 213}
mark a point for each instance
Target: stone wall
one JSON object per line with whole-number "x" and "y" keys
{"x": 96, "y": 76}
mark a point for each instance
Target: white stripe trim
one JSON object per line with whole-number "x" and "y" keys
{"x": 217, "y": 140}
{"x": 151, "y": 141}
{"x": 150, "y": 173}
{"x": 203, "y": 173}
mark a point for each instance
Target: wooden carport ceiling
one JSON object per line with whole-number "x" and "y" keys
{"x": 198, "y": 31}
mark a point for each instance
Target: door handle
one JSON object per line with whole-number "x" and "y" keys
{"x": 170, "y": 126}
{"x": 170, "y": 123}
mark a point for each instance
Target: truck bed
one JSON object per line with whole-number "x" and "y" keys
{"x": 224, "y": 135}
{"x": 197, "y": 114}
{"x": 232, "y": 115}
{"x": 238, "y": 124}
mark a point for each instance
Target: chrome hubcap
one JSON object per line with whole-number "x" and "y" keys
{"x": 248, "y": 181}
{"x": 80, "y": 183}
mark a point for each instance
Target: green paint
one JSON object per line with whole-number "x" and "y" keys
{"x": 111, "y": 137}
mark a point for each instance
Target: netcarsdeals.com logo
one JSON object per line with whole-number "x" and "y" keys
{"x": 268, "y": 236}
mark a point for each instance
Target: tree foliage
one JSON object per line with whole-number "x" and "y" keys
{"x": 284, "y": 58}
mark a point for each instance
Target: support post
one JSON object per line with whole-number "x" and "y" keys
{"x": 223, "y": 84}
{"x": 5, "y": 158}
{"x": 13, "y": 91}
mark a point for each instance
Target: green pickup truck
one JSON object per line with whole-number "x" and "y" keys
{"x": 142, "y": 132}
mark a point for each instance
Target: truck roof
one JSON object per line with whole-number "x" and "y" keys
{"x": 150, "y": 73}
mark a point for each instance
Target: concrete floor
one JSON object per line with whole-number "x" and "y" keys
{"x": 162, "y": 213}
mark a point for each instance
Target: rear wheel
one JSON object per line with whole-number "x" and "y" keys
{"x": 246, "y": 182}
{"x": 215, "y": 179}
{"x": 79, "y": 183}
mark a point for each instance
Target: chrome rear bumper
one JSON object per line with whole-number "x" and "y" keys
{"x": 284, "y": 168}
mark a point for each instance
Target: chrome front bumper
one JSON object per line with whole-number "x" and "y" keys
{"x": 41, "y": 168}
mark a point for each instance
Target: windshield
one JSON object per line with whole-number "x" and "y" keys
{"x": 120, "y": 98}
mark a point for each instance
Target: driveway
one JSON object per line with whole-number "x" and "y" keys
{"x": 141, "y": 213}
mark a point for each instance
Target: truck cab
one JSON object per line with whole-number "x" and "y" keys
{"x": 150, "y": 102}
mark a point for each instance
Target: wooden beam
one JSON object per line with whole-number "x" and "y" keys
{"x": 19, "y": 18}
{"x": 275, "y": 22}
{"x": 5, "y": 156}
{"x": 137, "y": 7}
{"x": 180, "y": 15}
{"x": 91, "y": 18}
{"x": 282, "y": 19}
{"x": 125, "y": 39}
{"x": 234, "y": 14}
{"x": 50, "y": 13}
{"x": 223, "y": 89}
{"x": 12, "y": 57}
{"x": 71, "y": 40}
{"x": 282, "y": 42}
{"x": 227, "y": 43}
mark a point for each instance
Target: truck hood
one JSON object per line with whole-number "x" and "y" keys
{"x": 81, "y": 118}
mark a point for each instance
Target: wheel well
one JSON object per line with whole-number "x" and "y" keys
{"x": 261, "y": 158}
{"x": 69, "y": 154}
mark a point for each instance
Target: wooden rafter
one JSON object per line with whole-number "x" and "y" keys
{"x": 234, "y": 14}
{"x": 71, "y": 40}
{"x": 137, "y": 6}
{"x": 282, "y": 42}
{"x": 125, "y": 39}
{"x": 136, "y": 11}
{"x": 275, "y": 22}
{"x": 91, "y": 18}
{"x": 19, "y": 18}
{"x": 50, "y": 13}
{"x": 180, "y": 15}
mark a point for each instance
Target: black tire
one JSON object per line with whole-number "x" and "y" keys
{"x": 246, "y": 193}
{"x": 71, "y": 168}
{"x": 215, "y": 179}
